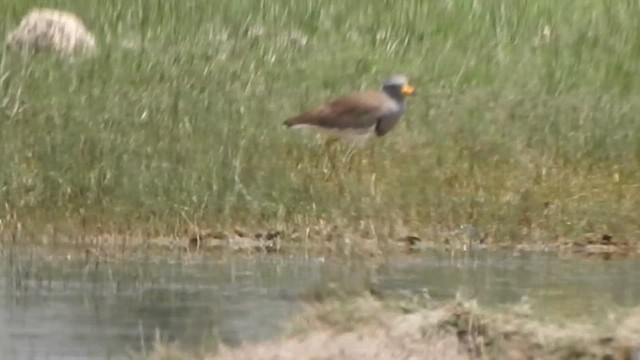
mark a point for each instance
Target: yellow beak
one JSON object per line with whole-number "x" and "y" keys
{"x": 408, "y": 90}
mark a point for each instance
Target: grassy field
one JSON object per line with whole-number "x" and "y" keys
{"x": 525, "y": 124}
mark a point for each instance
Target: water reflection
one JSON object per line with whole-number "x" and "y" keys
{"x": 553, "y": 286}
{"x": 68, "y": 309}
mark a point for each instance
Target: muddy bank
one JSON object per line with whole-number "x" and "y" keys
{"x": 319, "y": 240}
{"x": 370, "y": 329}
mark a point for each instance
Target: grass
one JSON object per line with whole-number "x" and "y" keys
{"x": 369, "y": 328}
{"x": 525, "y": 122}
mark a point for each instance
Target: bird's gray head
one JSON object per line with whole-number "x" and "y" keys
{"x": 397, "y": 86}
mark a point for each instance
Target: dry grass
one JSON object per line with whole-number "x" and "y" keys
{"x": 368, "y": 329}
{"x": 52, "y": 30}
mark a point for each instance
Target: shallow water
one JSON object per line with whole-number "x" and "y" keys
{"x": 71, "y": 309}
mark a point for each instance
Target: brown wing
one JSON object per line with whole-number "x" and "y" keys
{"x": 356, "y": 110}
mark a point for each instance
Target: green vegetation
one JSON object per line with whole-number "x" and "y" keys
{"x": 525, "y": 122}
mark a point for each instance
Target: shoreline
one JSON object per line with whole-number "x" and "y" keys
{"x": 308, "y": 240}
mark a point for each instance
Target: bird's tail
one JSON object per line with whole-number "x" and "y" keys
{"x": 290, "y": 122}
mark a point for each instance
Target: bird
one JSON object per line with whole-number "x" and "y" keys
{"x": 356, "y": 117}
{"x": 360, "y": 115}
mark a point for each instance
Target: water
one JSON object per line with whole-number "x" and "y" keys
{"x": 74, "y": 309}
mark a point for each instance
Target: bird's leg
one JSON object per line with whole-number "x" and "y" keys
{"x": 371, "y": 157}
{"x": 349, "y": 157}
{"x": 359, "y": 164}
{"x": 330, "y": 145}
{"x": 332, "y": 154}
{"x": 356, "y": 156}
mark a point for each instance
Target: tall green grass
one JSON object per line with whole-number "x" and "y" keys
{"x": 525, "y": 123}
